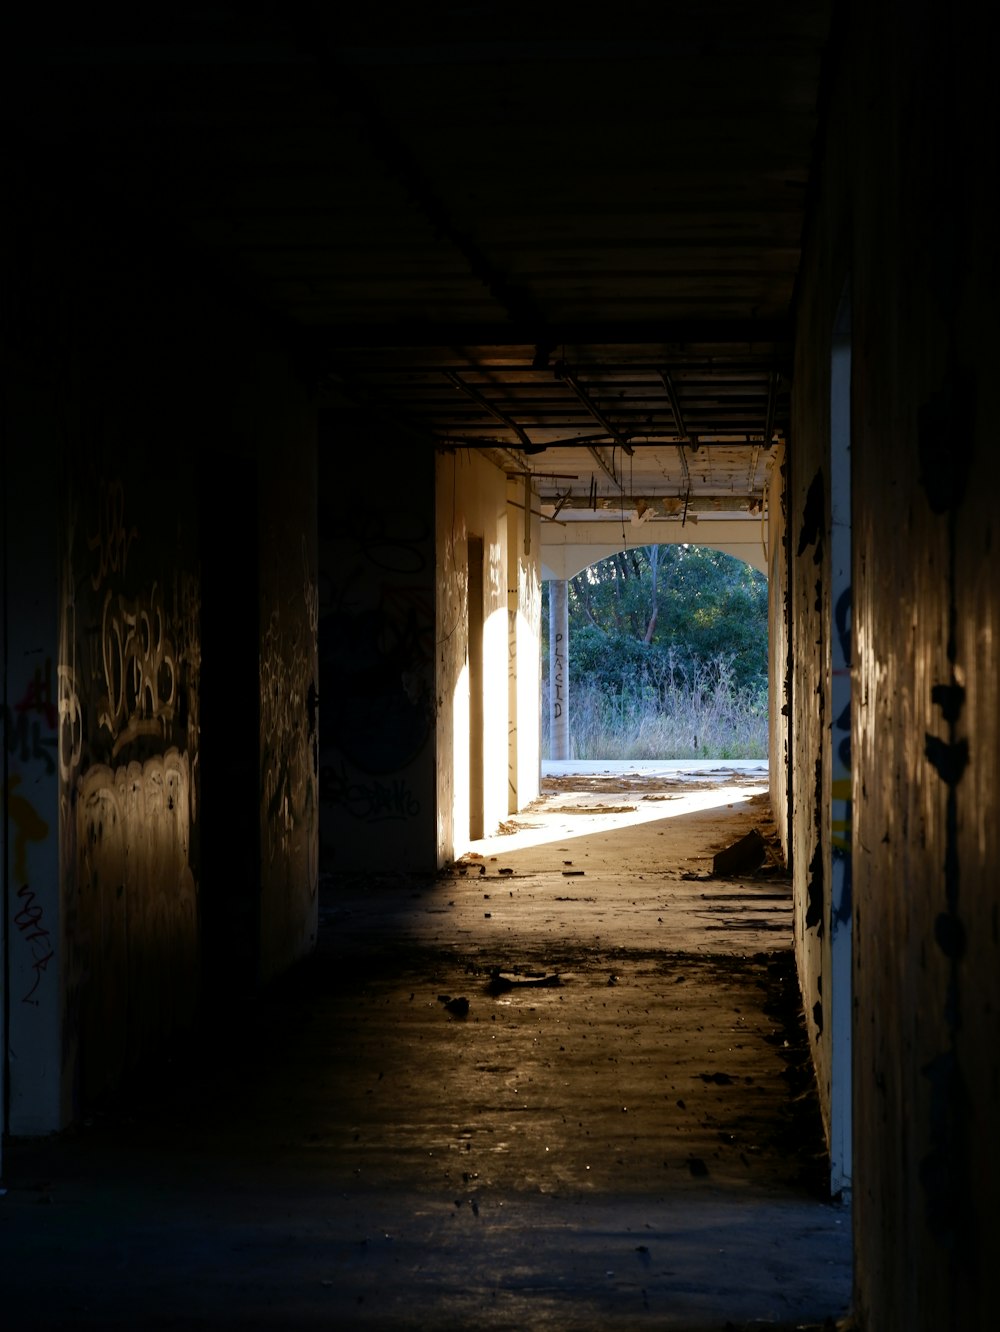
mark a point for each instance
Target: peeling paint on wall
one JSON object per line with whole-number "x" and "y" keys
{"x": 128, "y": 751}
{"x": 813, "y": 520}
{"x": 944, "y": 1169}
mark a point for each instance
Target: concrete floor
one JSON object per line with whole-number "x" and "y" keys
{"x": 631, "y": 1144}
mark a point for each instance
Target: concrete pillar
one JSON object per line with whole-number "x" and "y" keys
{"x": 513, "y": 718}
{"x": 524, "y": 621}
{"x": 559, "y": 668}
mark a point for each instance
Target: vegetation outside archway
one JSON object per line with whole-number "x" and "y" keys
{"x": 667, "y": 656}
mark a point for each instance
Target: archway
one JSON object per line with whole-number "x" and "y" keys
{"x": 666, "y": 645}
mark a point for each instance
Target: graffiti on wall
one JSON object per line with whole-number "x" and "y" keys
{"x": 126, "y": 748}
{"x": 129, "y": 657}
{"x": 29, "y": 917}
{"x": 377, "y": 643}
{"x": 148, "y": 678}
{"x": 370, "y": 799}
{"x": 840, "y": 825}
{"x": 30, "y": 726}
{"x": 29, "y": 921}
{"x": 136, "y": 885}
{"x": 28, "y": 825}
{"x": 811, "y": 533}
{"x": 558, "y": 675}
{"x": 113, "y": 538}
{"x": 289, "y": 727}
{"x": 30, "y": 729}
{"x": 139, "y": 669}
{"x": 382, "y": 658}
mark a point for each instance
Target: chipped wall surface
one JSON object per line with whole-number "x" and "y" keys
{"x": 30, "y": 788}
{"x": 110, "y": 568}
{"x": 376, "y": 634}
{"x": 471, "y": 505}
{"x": 288, "y": 616}
{"x": 130, "y": 721}
{"x": 814, "y": 640}
{"x": 904, "y": 197}
{"x": 811, "y": 706}
{"x": 779, "y": 673}
{"x": 927, "y": 615}
{"x": 119, "y": 424}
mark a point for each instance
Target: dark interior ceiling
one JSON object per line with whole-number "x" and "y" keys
{"x": 567, "y": 237}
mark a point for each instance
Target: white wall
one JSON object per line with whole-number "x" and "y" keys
{"x": 472, "y": 502}
{"x": 524, "y": 622}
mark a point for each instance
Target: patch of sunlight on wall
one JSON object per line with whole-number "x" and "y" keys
{"x": 495, "y": 708}
{"x": 529, "y": 756}
{"x": 460, "y": 759}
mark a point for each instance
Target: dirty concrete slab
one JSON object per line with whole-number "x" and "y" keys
{"x": 633, "y": 1145}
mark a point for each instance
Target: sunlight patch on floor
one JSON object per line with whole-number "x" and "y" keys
{"x": 562, "y": 815}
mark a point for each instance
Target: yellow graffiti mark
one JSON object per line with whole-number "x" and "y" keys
{"x": 30, "y": 827}
{"x": 840, "y": 831}
{"x": 841, "y": 789}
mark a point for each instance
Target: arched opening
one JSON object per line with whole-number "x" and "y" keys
{"x": 665, "y": 657}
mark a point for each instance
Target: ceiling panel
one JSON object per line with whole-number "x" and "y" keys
{"x": 500, "y": 226}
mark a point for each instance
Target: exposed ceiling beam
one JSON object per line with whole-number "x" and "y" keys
{"x": 602, "y": 462}
{"x": 666, "y": 506}
{"x": 684, "y": 465}
{"x": 490, "y": 407}
{"x": 569, "y": 378}
{"x": 772, "y": 398}
{"x": 355, "y": 96}
{"x": 675, "y": 407}
{"x": 752, "y": 474}
{"x": 685, "y": 336}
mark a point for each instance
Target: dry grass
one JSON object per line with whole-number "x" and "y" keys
{"x": 700, "y": 715}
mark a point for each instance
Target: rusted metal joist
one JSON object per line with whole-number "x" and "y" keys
{"x": 567, "y": 376}
{"x": 490, "y": 407}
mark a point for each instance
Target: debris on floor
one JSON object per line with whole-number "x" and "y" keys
{"x": 502, "y": 982}
{"x": 741, "y": 857}
{"x": 581, "y": 1082}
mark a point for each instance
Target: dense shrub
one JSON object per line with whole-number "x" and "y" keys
{"x": 667, "y": 656}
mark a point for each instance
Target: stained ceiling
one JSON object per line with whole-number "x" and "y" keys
{"x": 567, "y": 238}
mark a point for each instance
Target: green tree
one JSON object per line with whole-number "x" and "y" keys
{"x": 651, "y": 610}
{"x": 668, "y": 656}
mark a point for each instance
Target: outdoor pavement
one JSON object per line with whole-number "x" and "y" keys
{"x": 562, "y": 1085}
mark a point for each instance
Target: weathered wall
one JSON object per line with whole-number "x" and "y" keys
{"x": 30, "y": 722}
{"x": 822, "y": 924}
{"x": 779, "y": 674}
{"x": 471, "y": 503}
{"x": 129, "y": 682}
{"x": 109, "y": 565}
{"x": 524, "y": 636}
{"x": 117, "y": 685}
{"x": 809, "y": 527}
{"x": 288, "y": 615}
{"x": 905, "y": 195}
{"x": 131, "y": 389}
{"x": 927, "y": 620}
{"x": 376, "y": 633}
